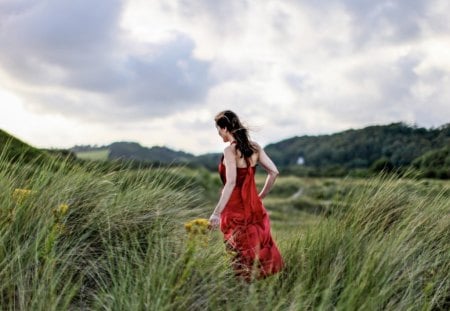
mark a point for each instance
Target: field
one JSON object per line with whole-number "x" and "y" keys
{"x": 99, "y": 155}
{"x": 86, "y": 237}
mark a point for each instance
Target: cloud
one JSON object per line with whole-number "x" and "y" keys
{"x": 393, "y": 21}
{"x": 375, "y": 22}
{"x": 224, "y": 15}
{"x": 167, "y": 81}
{"x": 71, "y": 57}
{"x": 45, "y": 41}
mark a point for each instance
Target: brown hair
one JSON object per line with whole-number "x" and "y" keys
{"x": 229, "y": 120}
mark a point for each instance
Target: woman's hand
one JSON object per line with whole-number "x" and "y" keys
{"x": 214, "y": 222}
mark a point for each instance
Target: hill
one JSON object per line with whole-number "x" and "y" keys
{"x": 434, "y": 163}
{"x": 133, "y": 151}
{"x": 13, "y": 149}
{"x": 208, "y": 160}
{"x": 396, "y": 145}
{"x": 374, "y": 148}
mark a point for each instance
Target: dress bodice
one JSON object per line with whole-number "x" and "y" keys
{"x": 241, "y": 172}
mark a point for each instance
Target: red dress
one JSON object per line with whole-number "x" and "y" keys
{"x": 246, "y": 228}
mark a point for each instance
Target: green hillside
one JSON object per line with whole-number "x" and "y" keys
{"x": 13, "y": 149}
{"x": 434, "y": 163}
{"x": 132, "y": 151}
{"x": 397, "y": 145}
{"x": 209, "y": 161}
{"x": 359, "y": 152}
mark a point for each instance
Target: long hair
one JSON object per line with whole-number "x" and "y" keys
{"x": 229, "y": 120}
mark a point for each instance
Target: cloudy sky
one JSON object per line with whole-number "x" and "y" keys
{"x": 156, "y": 72}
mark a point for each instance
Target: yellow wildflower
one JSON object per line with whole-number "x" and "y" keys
{"x": 197, "y": 230}
{"x": 197, "y": 226}
{"x": 20, "y": 195}
{"x": 202, "y": 222}
{"x": 61, "y": 210}
{"x": 60, "y": 228}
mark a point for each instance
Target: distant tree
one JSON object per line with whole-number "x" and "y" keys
{"x": 434, "y": 164}
{"x": 382, "y": 164}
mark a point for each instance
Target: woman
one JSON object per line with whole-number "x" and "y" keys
{"x": 240, "y": 213}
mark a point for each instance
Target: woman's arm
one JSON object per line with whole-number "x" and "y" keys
{"x": 230, "y": 164}
{"x": 271, "y": 170}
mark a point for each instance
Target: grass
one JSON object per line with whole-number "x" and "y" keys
{"x": 381, "y": 243}
{"x": 97, "y": 155}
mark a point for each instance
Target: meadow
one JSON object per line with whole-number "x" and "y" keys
{"x": 82, "y": 236}
{"x": 97, "y": 155}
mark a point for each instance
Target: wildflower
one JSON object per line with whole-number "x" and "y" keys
{"x": 20, "y": 195}
{"x": 61, "y": 210}
{"x": 197, "y": 226}
{"x": 60, "y": 228}
{"x": 197, "y": 230}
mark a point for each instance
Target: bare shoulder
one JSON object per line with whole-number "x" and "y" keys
{"x": 229, "y": 150}
{"x": 256, "y": 145}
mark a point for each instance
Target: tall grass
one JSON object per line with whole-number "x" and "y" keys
{"x": 53, "y": 261}
{"x": 389, "y": 250}
{"x": 121, "y": 246}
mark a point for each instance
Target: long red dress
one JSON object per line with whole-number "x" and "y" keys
{"x": 246, "y": 228}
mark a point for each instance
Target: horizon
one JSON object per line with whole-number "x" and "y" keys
{"x": 274, "y": 142}
{"x": 158, "y": 72}
{"x": 219, "y": 151}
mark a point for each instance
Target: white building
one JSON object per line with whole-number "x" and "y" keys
{"x": 300, "y": 161}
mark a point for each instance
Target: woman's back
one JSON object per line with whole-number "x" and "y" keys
{"x": 241, "y": 172}
{"x": 252, "y": 160}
